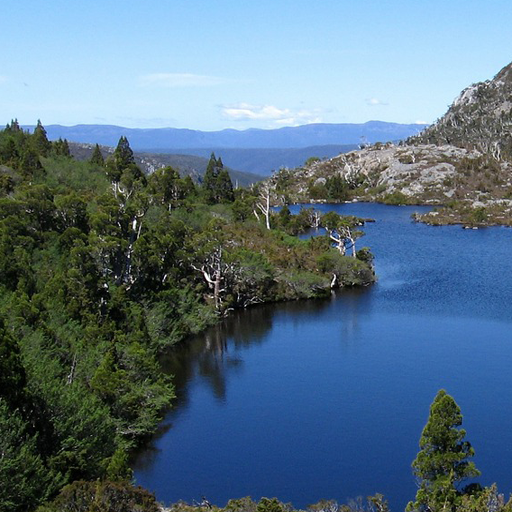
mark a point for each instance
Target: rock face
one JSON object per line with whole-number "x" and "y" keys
{"x": 423, "y": 173}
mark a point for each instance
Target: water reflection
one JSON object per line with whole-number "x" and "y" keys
{"x": 213, "y": 355}
{"x": 353, "y": 304}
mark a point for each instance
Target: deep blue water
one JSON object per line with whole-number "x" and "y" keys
{"x": 327, "y": 399}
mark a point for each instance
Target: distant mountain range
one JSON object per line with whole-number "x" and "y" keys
{"x": 263, "y": 161}
{"x": 254, "y": 150}
{"x": 288, "y": 137}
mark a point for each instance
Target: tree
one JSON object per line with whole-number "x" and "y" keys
{"x": 224, "y": 187}
{"x": 97, "y": 157}
{"x": 263, "y": 203}
{"x": 442, "y": 462}
{"x": 341, "y": 231}
{"x": 121, "y": 160}
{"x": 164, "y": 186}
{"x": 217, "y": 185}
{"x": 12, "y": 372}
{"x": 210, "y": 179}
{"x": 41, "y": 143}
{"x": 123, "y": 154}
{"x": 61, "y": 148}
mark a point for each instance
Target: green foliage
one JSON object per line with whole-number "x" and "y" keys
{"x": 337, "y": 188}
{"x": 12, "y": 373}
{"x": 105, "y": 496}
{"x": 24, "y": 478}
{"x": 217, "y": 186}
{"x": 479, "y": 215}
{"x": 61, "y": 148}
{"x": 97, "y": 157}
{"x": 270, "y": 505}
{"x": 40, "y": 142}
{"x": 395, "y": 198}
{"x": 443, "y": 460}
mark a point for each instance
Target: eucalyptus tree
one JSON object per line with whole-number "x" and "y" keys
{"x": 341, "y": 230}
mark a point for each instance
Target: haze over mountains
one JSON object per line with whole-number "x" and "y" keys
{"x": 287, "y": 137}
{"x": 254, "y": 150}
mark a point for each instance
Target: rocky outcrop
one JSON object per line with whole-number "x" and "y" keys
{"x": 479, "y": 118}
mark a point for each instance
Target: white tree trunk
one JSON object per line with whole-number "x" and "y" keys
{"x": 264, "y": 203}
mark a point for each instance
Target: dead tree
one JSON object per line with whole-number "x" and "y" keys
{"x": 212, "y": 273}
{"x": 340, "y": 230}
{"x": 263, "y": 203}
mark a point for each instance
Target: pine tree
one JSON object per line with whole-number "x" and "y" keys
{"x": 123, "y": 154}
{"x": 13, "y": 127}
{"x": 61, "y": 148}
{"x": 40, "y": 140}
{"x": 210, "y": 179}
{"x": 97, "y": 157}
{"x": 224, "y": 189}
{"x": 120, "y": 161}
{"x": 217, "y": 185}
{"x": 442, "y": 462}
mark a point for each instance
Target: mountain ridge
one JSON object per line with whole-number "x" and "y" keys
{"x": 253, "y": 138}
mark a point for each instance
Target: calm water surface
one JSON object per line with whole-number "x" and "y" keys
{"x": 327, "y": 399}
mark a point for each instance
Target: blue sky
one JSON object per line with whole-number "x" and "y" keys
{"x": 214, "y": 64}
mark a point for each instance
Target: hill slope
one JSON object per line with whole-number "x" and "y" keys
{"x": 187, "y": 165}
{"x": 263, "y": 161}
{"x": 479, "y": 118}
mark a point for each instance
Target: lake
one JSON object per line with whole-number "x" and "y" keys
{"x": 326, "y": 399}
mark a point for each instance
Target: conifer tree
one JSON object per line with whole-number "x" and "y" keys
{"x": 13, "y": 127}
{"x": 123, "y": 155}
{"x": 61, "y": 148}
{"x": 40, "y": 140}
{"x": 224, "y": 187}
{"x": 97, "y": 157}
{"x": 442, "y": 462}
{"x": 210, "y": 179}
{"x": 121, "y": 160}
{"x": 217, "y": 185}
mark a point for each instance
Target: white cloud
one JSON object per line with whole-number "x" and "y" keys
{"x": 374, "y": 102}
{"x": 3, "y": 79}
{"x": 179, "y": 80}
{"x": 276, "y": 115}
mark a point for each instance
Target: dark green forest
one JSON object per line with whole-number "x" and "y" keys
{"x": 102, "y": 268}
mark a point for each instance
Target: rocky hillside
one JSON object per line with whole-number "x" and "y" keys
{"x": 480, "y": 118}
{"x": 462, "y": 163}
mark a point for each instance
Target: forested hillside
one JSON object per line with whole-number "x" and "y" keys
{"x": 103, "y": 267}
